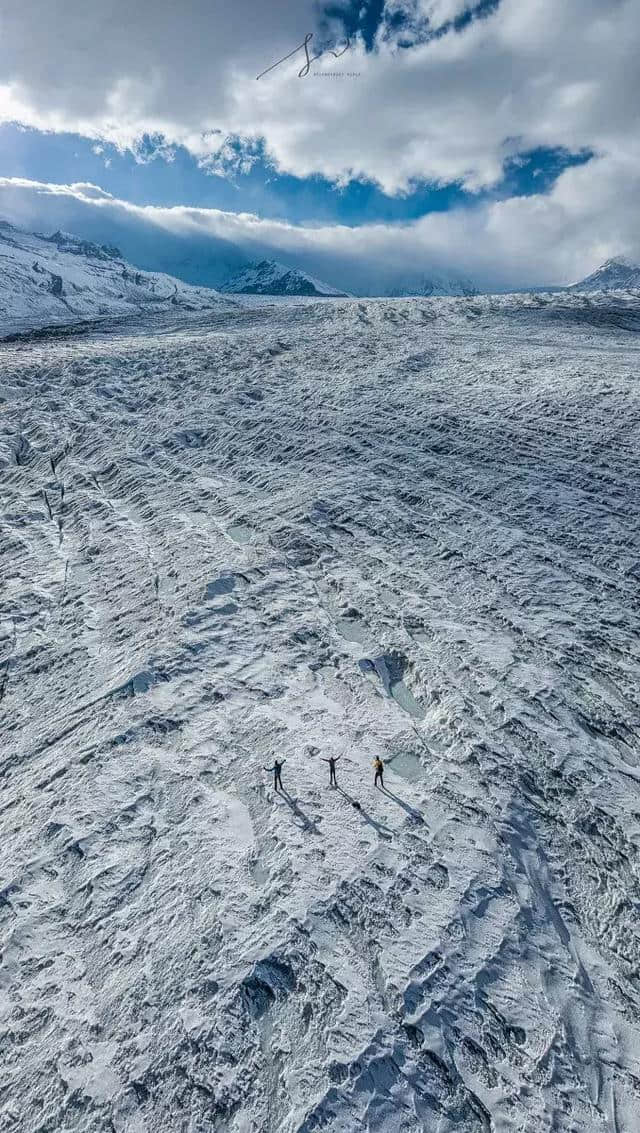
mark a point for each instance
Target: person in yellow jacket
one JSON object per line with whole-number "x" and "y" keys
{"x": 379, "y": 775}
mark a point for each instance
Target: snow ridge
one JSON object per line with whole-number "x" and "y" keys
{"x": 61, "y": 279}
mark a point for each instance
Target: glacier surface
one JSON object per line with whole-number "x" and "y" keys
{"x": 406, "y": 528}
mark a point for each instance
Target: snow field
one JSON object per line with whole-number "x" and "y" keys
{"x": 403, "y": 527}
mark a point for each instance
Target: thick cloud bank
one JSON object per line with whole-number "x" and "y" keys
{"x": 526, "y": 241}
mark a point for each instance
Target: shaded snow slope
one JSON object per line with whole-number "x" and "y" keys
{"x": 268, "y": 277}
{"x": 396, "y": 527}
{"x": 63, "y": 279}
{"x": 614, "y": 274}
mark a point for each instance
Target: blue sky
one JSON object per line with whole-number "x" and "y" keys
{"x": 498, "y": 139}
{"x": 181, "y": 180}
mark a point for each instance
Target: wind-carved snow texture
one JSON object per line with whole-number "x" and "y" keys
{"x": 407, "y": 528}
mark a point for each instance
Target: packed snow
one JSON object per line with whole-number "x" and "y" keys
{"x": 61, "y": 279}
{"x": 405, "y": 528}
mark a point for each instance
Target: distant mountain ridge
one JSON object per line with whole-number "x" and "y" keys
{"x": 614, "y": 274}
{"x": 61, "y": 279}
{"x": 433, "y": 284}
{"x": 76, "y": 246}
{"x": 269, "y": 277}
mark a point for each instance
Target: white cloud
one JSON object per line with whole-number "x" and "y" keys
{"x": 590, "y": 214}
{"x": 424, "y": 17}
{"x": 533, "y": 73}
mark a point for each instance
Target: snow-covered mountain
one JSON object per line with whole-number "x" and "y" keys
{"x": 62, "y": 279}
{"x": 432, "y": 284}
{"x": 618, "y": 273}
{"x": 268, "y": 277}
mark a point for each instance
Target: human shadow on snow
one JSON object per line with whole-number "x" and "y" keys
{"x": 405, "y": 806}
{"x": 293, "y": 804}
{"x": 383, "y": 831}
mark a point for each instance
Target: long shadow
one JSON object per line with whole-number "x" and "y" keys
{"x": 383, "y": 831}
{"x": 405, "y": 806}
{"x": 293, "y": 803}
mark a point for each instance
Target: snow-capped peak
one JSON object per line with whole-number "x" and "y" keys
{"x": 618, "y": 261}
{"x": 269, "y": 277}
{"x": 618, "y": 272}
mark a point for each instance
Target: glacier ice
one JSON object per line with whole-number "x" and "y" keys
{"x": 233, "y": 535}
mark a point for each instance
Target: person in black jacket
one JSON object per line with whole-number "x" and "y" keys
{"x": 277, "y": 769}
{"x": 332, "y": 760}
